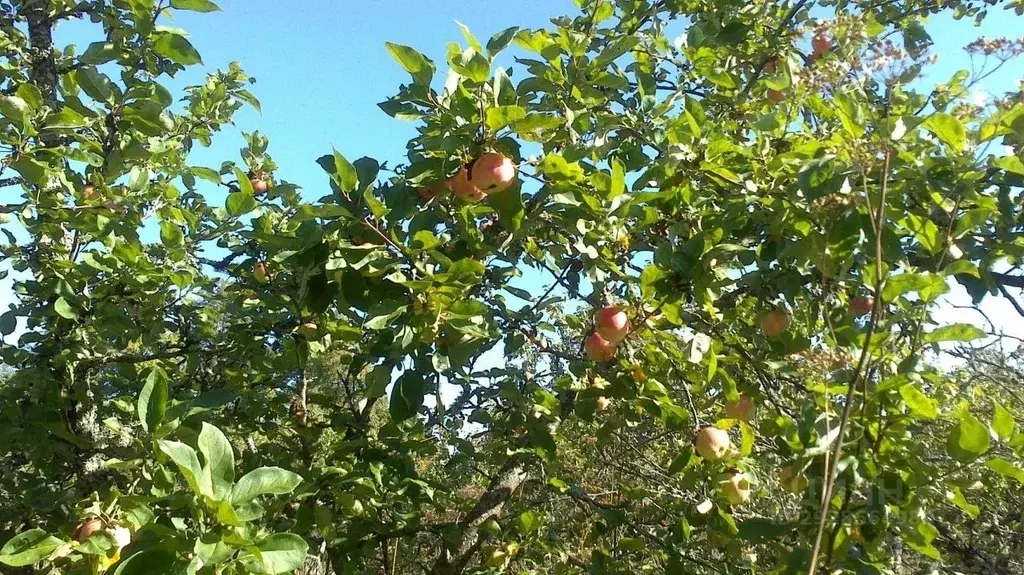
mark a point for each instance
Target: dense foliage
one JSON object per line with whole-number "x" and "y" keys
{"x": 307, "y": 381}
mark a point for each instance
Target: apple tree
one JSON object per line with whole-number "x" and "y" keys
{"x": 658, "y": 296}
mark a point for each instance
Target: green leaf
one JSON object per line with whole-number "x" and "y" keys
{"x": 510, "y": 207}
{"x": 212, "y": 549}
{"x": 347, "y": 176}
{"x": 219, "y": 469}
{"x": 278, "y": 553}
{"x": 240, "y": 203}
{"x": 407, "y": 395}
{"x": 15, "y": 109}
{"x": 96, "y": 85}
{"x": 28, "y": 547}
{"x": 1010, "y": 164}
{"x": 177, "y": 49}
{"x": 264, "y": 481}
{"x": 929, "y": 286}
{"x": 8, "y": 322}
{"x": 948, "y": 129}
{"x": 470, "y": 38}
{"x": 618, "y": 179}
{"x": 152, "y": 403}
{"x": 469, "y": 63}
{"x": 1005, "y": 468}
{"x": 617, "y": 48}
{"x": 681, "y": 461}
{"x": 64, "y": 309}
{"x": 498, "y": 118}
{"x": 66, "y": 118}
{"x": 171, "y": 235}
{"x": 99, "y": 53}
{"x": 207, "y": 174}
{"x": 969, "y": 439}
{"x": 955, "y": 332}
{"x": 926, "y": 232}
{"x": 1002, "y": 422}
{"x": 417, "y": 65}
{"x": 187, "y": 461}
{"x": 956, "y": 497}
{"x": 149, "y": 562}
{"x": 195, "y": 5}
{"x": 528, "y": 522}
{"x": 918, "y": 402}
{"x": 759, "y": 530}
{"x": 377, "y": 382}
{"x": 501, "y": 40}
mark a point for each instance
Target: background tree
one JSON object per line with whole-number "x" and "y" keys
{"x": 775, "y": 204}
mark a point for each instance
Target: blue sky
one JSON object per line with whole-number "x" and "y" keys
{"x": 322, "y": 69}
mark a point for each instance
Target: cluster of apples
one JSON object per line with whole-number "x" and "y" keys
{"x": 611, "y": 326}
{"x": 488, "y": 174}
{"x": 714, "y": 444}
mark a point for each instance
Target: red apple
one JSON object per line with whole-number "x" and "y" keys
{"x": 743, "y": 409}
{"x": 598, "y": 348}
{"x": 464, "y": 189}
{"x": 736, "y": 488}
{"x": 492, "y": 172}
{"x": 86, "y": 528}
{"x": 612, "y": 323}
{"x": 712, "y": 443}
{"x": 259, "y": 185}
{"x": 821, "y": 43}
{"x": 259, "y": 271}
{"x": 776, "y": 96}
{"x": 774, "y": 323}
{"x": 860, "y": 305}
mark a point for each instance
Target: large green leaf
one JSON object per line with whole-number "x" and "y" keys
{"x": 1005, "y": 468}
{"x": 279, "y": 553}
{"x": 187, "y": 461}
{"x": 407, "y": 395}
{"x": 969, "y": 439}
{"x": 176, "y": 48}
{"x": 218, "y": 463}
{"x": 15, "y": 109}
{"x": 948, "y": 129}
{"x": 240, "y": 203}
{"x": 100, "y": 53}
{"x": 918, "y": 402}
{"x": 152, "y": 403}
{"x": 264, "y": 481}
{"x": 417, "y": 65}
{"x": 1002, "y": 422}
{"x": 347, "y": 176}
{"x": 955, "y": 332}
{"x": 96, "y": 85}
{"x": 28, "y": 547}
